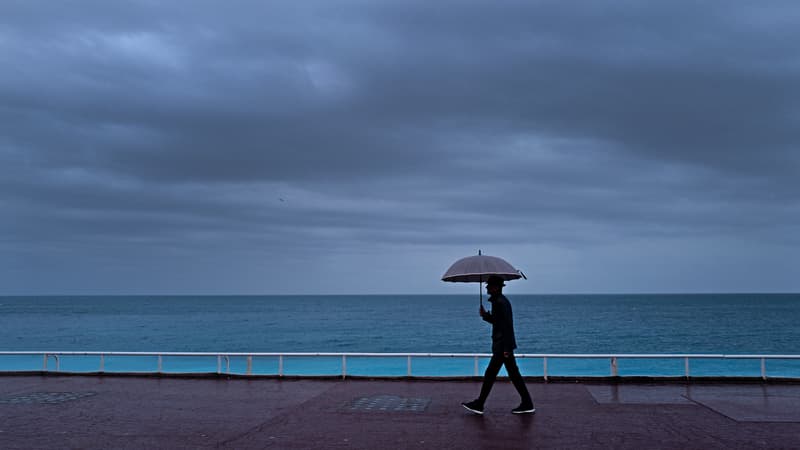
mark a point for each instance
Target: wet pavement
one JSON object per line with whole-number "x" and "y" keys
{"x": 91, "y": 412}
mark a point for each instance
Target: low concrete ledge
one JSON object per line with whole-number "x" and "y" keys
{"x": 530, "y": 379}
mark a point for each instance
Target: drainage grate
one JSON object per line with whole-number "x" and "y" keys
{"x": 389, "y": 403}
{"x": 45, "y": 397}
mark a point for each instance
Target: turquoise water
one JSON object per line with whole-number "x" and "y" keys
{"x": 719, "y": 324}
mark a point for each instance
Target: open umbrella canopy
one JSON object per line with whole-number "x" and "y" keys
{"x": 478, "y": 268}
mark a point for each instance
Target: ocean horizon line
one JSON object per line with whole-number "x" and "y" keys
{"x": 398, "y": 294}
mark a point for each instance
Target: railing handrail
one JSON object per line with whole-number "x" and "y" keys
{"x": 613, "y": 357}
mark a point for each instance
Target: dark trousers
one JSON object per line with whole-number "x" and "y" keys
{"x": 495, "y": 363}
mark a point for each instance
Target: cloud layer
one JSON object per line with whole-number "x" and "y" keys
{"x": 363, "y": 146}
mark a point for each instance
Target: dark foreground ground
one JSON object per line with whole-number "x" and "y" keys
{"x": 128, "y": 412}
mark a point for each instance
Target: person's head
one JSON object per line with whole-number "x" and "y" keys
{"x": 494, "y": 285}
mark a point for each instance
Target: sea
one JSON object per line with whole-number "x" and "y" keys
{"x": 730, "y": 324}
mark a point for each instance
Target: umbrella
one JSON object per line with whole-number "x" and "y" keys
{"x": 477, "y": 269}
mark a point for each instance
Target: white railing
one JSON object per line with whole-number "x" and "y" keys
{"x": 226, "y": 357}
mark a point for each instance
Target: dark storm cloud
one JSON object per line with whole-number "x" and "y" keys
{"x": 350, "y": 126}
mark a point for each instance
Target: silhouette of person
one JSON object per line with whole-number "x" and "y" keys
{"x": 503, "y": 345}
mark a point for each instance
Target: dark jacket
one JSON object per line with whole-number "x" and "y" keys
{"x": 502, "y": 324}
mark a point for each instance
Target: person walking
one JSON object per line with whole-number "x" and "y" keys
{"x": 503, "y": 345}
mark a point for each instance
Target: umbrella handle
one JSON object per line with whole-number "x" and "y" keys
{"x": 480, "y": 285}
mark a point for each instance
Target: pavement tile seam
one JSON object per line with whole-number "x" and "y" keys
{"x": 676, "y": 423}
{"x": 710, "y": 409}
{"x": 753, "y": 418}
{"x": 277, "y": 419}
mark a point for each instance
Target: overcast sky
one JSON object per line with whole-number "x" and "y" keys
{"x": 363, "y": 146}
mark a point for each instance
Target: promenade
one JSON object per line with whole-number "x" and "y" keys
{"x": 104, "y": 412}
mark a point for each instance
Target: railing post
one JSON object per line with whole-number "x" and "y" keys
{"x": 160, "y": 363}
{"x": 219, "y": 364}
{"x": 476, "y": 366}
{"x": 227, "y": 364}
{"x": 344, "y": 366}
{"x": 686, "y": 366}
{"x": 544, "y": 367}
{"x": 408, "y": 373}
{"x": 58, "y": 363}
{"x": 763, "y": 369}
{"x": 249, "y": 364}
{"x": 280, "y": 365}
{"x": 102, "y": 363}
{"x": 614, "y": 371}
{"x": 44, "y": 364}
